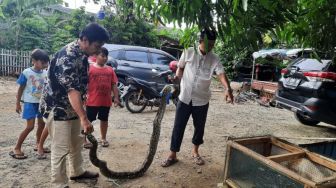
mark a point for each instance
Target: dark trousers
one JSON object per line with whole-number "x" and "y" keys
{"x": 183, "y": 112}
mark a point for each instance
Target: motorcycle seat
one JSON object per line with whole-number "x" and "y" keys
{"x": 151, "y": 84}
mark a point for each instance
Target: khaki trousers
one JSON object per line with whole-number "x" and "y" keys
{"x": 66, "y": 141}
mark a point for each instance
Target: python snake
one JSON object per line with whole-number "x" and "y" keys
{"x": 151, "y": 152}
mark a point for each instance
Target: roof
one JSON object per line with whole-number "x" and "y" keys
{"x": 60, "y": 8}
{"x": 112, "y": 47}
{"x": 280, "y": 53}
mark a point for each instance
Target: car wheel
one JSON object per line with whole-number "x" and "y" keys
{"x": 305, "y": 120}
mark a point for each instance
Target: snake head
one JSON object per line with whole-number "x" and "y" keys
{"x": 169, "y": 88}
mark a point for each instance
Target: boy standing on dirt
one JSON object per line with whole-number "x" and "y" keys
{"x": 31, "y": 83}
{"x": 195, "y": 70}
{"x": 102, "y": 81}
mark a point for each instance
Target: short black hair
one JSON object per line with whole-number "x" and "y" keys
{"x": 94, "y": 33}
{"x": 39, "y": 54}
{"x": 104, "y": 51}
{"x": 211, "y": 34}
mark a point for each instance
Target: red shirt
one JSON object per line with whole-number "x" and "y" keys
{"x": 100, "y": 86}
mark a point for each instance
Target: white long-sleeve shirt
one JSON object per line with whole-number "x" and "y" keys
{"x": 196, "y": 79}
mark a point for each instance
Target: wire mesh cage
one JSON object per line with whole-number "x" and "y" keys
{"x": 274, "y": 163}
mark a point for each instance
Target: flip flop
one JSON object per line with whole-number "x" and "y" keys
{"x": 198, "y": 160}
{"x": 169, "y": 162}
{"x": 105, "y": 143}
{"x": 85, "y": 175}
{"x": 17, "y": 156}
{"x": 45, "y": 150}
{"x": 88, "y": 145}
{"x": 41, "y": 156}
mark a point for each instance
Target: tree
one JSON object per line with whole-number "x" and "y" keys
{"x": 125, "y": 28}
{"x": 68, "y": 29}
{"x": 16, "y": 13}
{"x": 32, "y": 28}
{"x": 135, "y": 32}
{"x": 316, "y": 25}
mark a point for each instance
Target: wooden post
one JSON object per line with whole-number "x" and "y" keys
{"x": 287, "y": 156}
{"x": 1, "y": 63}
{"x": 7, "y": 60}
{"x": 227, "y": 159}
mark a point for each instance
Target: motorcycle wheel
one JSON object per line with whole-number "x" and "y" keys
{"x": 132, "y": 103}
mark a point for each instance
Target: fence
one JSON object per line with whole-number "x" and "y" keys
{"x": 12, "y": 62}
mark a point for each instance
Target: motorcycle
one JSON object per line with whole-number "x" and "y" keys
{"x": 139, "y": 94}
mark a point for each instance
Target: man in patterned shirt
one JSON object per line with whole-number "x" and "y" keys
{"x": 62, "y": 104}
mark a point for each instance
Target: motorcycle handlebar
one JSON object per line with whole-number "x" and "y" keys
{"x": 163, "y": 74}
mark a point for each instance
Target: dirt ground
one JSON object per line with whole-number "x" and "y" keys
{"x": 129, "y": 135}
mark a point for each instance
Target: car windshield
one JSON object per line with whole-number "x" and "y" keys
{"x": 311, "y": 64}
{"x": 332, "y": 67}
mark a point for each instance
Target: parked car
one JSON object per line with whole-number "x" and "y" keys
{"x": 308, "y": 88}
{"x": 138, "y": 62}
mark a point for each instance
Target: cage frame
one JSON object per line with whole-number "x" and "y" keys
{"x": 273, "y": 162}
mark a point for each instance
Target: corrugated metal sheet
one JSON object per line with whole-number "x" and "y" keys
{"x": 327, "y": 149}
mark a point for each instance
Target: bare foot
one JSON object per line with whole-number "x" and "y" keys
{"x": 18, "y": 152}
{"x": 40, "y": 151}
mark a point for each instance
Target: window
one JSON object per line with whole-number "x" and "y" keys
{"x": 310, "y": 64}
{"x": 114, "y": 54}
{"x": 160, "y": 59}
{"x": 136, "y": 56}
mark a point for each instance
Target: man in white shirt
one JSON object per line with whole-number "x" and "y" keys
{"x": 195, "y": 69}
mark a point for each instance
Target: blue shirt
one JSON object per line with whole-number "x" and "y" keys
{"x": 33, "y": 81}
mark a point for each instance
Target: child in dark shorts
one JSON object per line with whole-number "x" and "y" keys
{"x": 102, "y": 83}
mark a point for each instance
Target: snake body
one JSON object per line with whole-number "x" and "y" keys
{"x": 151, "y": 152}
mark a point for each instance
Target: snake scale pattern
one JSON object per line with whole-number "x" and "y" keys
{"x": 150, "y": 154}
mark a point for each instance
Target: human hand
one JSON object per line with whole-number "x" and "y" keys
{"x": 116, "y": 102}
{"x": 87, "y": 126}
{"x": 173, "y": 79}
{"x": 229, "y": 96}
{"x": 18, "y": 108}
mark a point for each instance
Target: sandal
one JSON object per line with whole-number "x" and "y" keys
{"x": 168, "y": 162}
{"x": 105, "y": 143}
{"x": 45, "y": 150}
{"x": 85, "y": 175}
{"x": 198, "y": 160}
{"x": 41, "y": 156}
{"x": 88, "y": 145}
{"x": 17, "y": 155}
